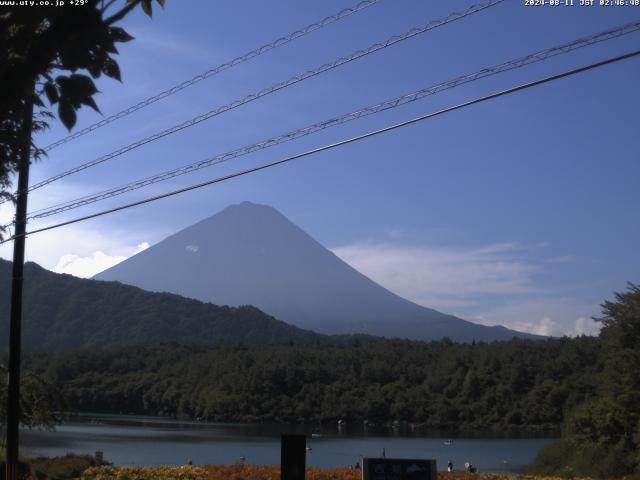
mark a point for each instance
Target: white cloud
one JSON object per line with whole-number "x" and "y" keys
{"x": 75, "y": 249}
{"x": 92, "y": 264}
{"x": 544, "y": 316}
{"x": 489, "y": 284}
{"x": 81, "y": 249}
{"x": 585, "y": 326}
{"x": 442, "y": 277}
{"x": 86, "y": 266}
{"x": 544, "y": 326}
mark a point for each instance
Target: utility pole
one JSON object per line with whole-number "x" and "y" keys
{"x": 15, "y": 328}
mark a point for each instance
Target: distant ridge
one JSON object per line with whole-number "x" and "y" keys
{"x": 250, "y": 254}
{"x": 62, "y": 312}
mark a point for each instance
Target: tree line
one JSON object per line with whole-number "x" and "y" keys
{"x": 601, "y": 437}
{"x": 518, "y": 385}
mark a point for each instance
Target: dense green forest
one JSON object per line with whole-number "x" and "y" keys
{"x": 518, "y": 385}
{"x": 62, "y": 312}
{"x": 601, "y": 437}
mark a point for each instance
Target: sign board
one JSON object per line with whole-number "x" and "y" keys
{"x": 398, "y": 469}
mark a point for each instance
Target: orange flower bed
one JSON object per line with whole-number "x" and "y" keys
{"x": 272, "y": 472}
{"x": 461, "y": 475}
{"x": 262, "y": 472}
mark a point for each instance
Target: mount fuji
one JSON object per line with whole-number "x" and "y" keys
{"x": 250, "y": 254}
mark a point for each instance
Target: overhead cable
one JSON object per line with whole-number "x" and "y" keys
{"x": 215, "y": 70}
{"x": 338, "y": 144}
{"x": 274, "y": 88}
{"x": 339, "y": 120}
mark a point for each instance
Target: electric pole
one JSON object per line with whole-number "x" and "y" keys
{"x": 15, "y": 326}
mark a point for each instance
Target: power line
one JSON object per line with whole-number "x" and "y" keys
{"x": 215, "y": 70}
{"x": 286, "y": 83}
{"x": 339, "y": 120}
{"x": 274, "y": 88}
{"x": 340, "y": 143}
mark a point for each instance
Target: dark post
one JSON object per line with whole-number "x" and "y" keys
{"x": 292, "y": 457}
{"x": 13, "y": 388}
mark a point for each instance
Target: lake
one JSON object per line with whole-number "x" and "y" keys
{"x": 134, "y": 440}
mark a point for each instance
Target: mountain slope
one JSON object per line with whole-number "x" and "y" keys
{"x": 62, "y": 312}
{"x": 252, "y": 254}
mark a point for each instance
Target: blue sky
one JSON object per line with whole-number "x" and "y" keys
{"x": 520, "y": 211}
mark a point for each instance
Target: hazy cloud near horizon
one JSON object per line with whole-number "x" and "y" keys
{"x": 76, "y": 249}
{"x": 90, "y": 265}
{"x": 489, "y": 284}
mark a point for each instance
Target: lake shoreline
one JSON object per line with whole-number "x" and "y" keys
{"x": 153, "y": 441}
{"x": 368, "y": 428}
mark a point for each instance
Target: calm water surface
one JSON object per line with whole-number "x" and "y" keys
{"x": 129, "y": 440}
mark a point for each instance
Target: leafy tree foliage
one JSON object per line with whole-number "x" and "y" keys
{"x": 516, "y": 386}
{"x": 40, "y": 401}
{"x": 62, "y": 312}
{"x": 54, "y": 53}
{"x": 602, "y": 437}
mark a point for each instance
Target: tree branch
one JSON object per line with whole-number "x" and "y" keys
{"x": 104, "y": 8}
{"x": 122, "y": 13}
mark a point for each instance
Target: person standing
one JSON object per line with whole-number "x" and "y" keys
{"x": 450, "y": 466}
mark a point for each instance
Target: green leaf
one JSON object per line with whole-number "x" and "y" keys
{"x": 61, "y": 80}
{"x": 94, "y": 70}
{"x": 146, "y": 7}
{"x": 110, "y": 47}
{"x": 37, "y": 101}
{"x": 67, "y": 114}
{"x": 74, "y": 56}
{"x": 52, "y": 92}
{"x": 161, "y": 3}
{"x": 90, "y": 102}
{"x": 120, "y": 34}
{"x": 111, "y": 69}
{"x": 81, "y": 85}
{"x": 75, "y": 90}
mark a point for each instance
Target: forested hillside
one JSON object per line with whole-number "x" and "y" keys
{"x": 601, "y": 438}
{"x": 517, "y": 385}
{"x": 62, "y": 312}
